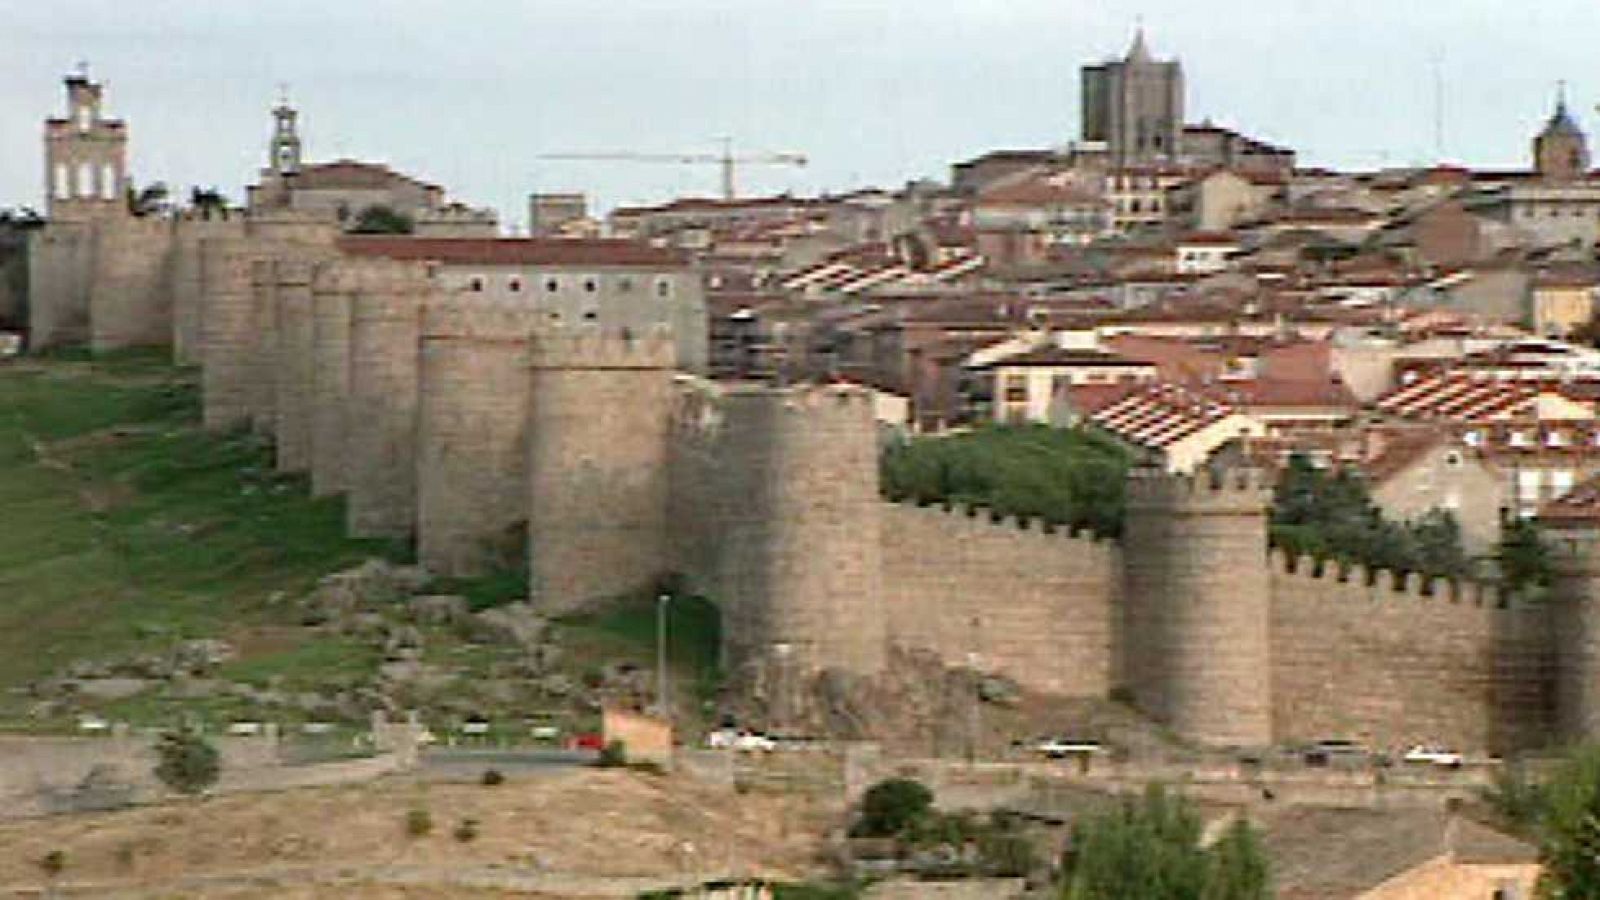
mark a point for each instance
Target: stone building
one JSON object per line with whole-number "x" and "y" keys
{"x": 596, "y": 282}
{"x": 345, "y": 188}
{"x": 1133, "y": 106}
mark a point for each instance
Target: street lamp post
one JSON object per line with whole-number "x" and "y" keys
{"x": 661, "y": 653}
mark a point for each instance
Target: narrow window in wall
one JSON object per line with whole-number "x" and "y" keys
{"x": 475, "y": 285}
{"x": 551, "y": 285}
{"x": 591, "y": 284}
{"x": 663, "y": 287}
{"x": 85, "y": 180}
{"x": 63, "y": 181}
{"x": 108, "y": 183}
{"x": 515, "y": 285}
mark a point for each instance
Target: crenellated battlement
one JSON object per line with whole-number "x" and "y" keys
{"x": 1229, "y": 491}
{"x": 475, "y": 318}
{"x": 804, "y": 399}
{"x": 593, "y": 347}
{"x": 987, "y": 517}
{"x": 1382, "y": 584}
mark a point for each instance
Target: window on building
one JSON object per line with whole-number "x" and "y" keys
{"x": 1453, "y": 459}
{"x": 86, "y": 180}
{"x": 663, "y": 287}
{"x": 551, "y": 285}
{"x": 590, "y": 315}
{"x": 514, "y": 285}
{"x": 1472, "y": 438}
{"x": 1560, "y": 482}
{"x": 591, "y": 284}
{"x": 1555, "y": 439}
{"x": 1518, "y": 439}
{"x": 1016, "y": 388}
{"x": 625, "y": 284}
{"x": 63, "y": 182}
{"x": 475, "y": 284}
{"x": 108, "y": 183}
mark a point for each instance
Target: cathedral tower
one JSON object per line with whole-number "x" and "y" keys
{"x": 283, "y": 152}
{"x": 86, "y": 169}
{"x": 1134, "y": 106}
{"x": 1561, "y": 150}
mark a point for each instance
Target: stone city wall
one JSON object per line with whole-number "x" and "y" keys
{"x": 130, "y": 300}
{"x": 381, "y": 440}
{"x": 597, "y": 465}
{"x": 293, "y": 370}
{"x": 472, "y": 434}
{"x": 61, "y": 272}
{"x": 1391, "y": 661}
{"x": 1035, "y": 605}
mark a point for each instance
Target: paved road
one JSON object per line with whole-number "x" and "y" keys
{"x": 452, "y": 762}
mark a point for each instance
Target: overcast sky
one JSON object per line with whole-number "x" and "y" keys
{"x": 467, "y": 92}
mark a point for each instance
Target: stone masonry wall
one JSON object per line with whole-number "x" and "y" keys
{"x": 800, "y": 567}
{"x": 228, "y": 337}
{"x": 293, "y": 387}
{"x": 1575, "y": 553}
{"x": 381, "y": 440}
{"x": 1392, "y": 663}
{"x": 130, "y": 300}
{"x": 1196, "y": 643}
{"x": 1034, "y": 605}
{"x": 60, "y": 268}
{"x": 188, "y": 281}
{"x": 472, "y": 434}
{"x": 332, "y": 293}
{"x": 598, "y": 430}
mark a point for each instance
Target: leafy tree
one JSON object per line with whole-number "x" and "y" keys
{"x": 1238, "y": 868}
{"x": 187, "y": 762}
{"x": 1524, "y": 557}
{"x": 1332, "y": 515}
{"x": 147, "y": 200}
{"x": 1570, "y": 830}
{"x": 890, "y": 808}
{"x": 1150, "y": 848}
{"x": 208, "y": 202}
{"x": 1065, "y": 476}
{"x": 382, "y": 220}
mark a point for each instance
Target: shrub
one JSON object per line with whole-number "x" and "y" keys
{"x": 613, "y": 755}
{"x": 419, "y": 822}
{"x": 891, "y": 807}
{"x": 187, "y": 762}
{"x": 492, "y": 777}
{"x": 466, "y": 830}
{"x": 53, "y": 863}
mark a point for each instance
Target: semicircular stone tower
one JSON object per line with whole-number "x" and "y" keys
{"x": 1197, "y": 604}
{"x": 800, "y": 573}
{"x": 599, "y": 412}
{"x": 1573, "y": 537}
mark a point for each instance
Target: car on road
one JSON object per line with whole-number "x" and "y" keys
{"x": 740, "y": 739}
{"x": 1062, "y": 747}
{"x": 1433, "y": 755}
{"x": 1332, "y": 750}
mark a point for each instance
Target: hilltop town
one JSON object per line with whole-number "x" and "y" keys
{"x": 1154, "y": 458}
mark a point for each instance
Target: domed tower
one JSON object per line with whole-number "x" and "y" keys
{"x": 1572, "y": 529}
{"x": 1197, "y": 602}
{"x": 86, "y": 156}
{"x": 1561, "y": 150}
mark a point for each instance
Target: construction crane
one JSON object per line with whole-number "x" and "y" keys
{"x": 726, "y": 159}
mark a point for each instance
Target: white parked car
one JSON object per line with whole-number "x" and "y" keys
{"x": 92, "y": 723}
{"x": 746, "y": 741}
{"x": 244, "y": 729}
{"x": 1438, "y": 756}
{"x": 1056, "y": 748}
{"x": 475, "y": 728}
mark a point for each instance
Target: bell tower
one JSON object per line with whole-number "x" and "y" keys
{"x": 86, "y": 156}
{"x": 283, "y": 153}
{"x": 1561, "y": 150}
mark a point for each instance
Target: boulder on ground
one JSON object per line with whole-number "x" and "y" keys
{"x": 515, "y": 624}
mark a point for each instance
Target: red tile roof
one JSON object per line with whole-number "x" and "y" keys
{"x": 348, "y": 174}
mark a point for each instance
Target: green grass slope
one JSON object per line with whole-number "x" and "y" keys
{"x": 125, "y": 529}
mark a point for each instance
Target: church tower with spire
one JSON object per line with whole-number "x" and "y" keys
{"x": 1134, "y": 106}
{"x": 283, "y": 153}
{"x": 1561, "y": 150}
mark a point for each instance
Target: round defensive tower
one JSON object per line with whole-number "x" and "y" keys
{"x": 472, "y": 434}
{"x": 381, "y": 432}
{"x": 1572, "y": 529}
{"x": 800, "y": 575}
{"x": 227, "y": 329}
{"x": 1197, "y": 603}
{"x": 332, "y": 293}
{"x": 599, "y": 409}
{"x": 293, "y": 366}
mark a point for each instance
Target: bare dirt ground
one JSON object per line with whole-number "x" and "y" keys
{"x": 577, "y": 833}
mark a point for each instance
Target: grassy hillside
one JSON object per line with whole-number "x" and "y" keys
{"x": 124, "y": 529}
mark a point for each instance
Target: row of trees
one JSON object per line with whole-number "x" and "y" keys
{"x": 1065, "y": 476}
{"x": 1074, "y": 476}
